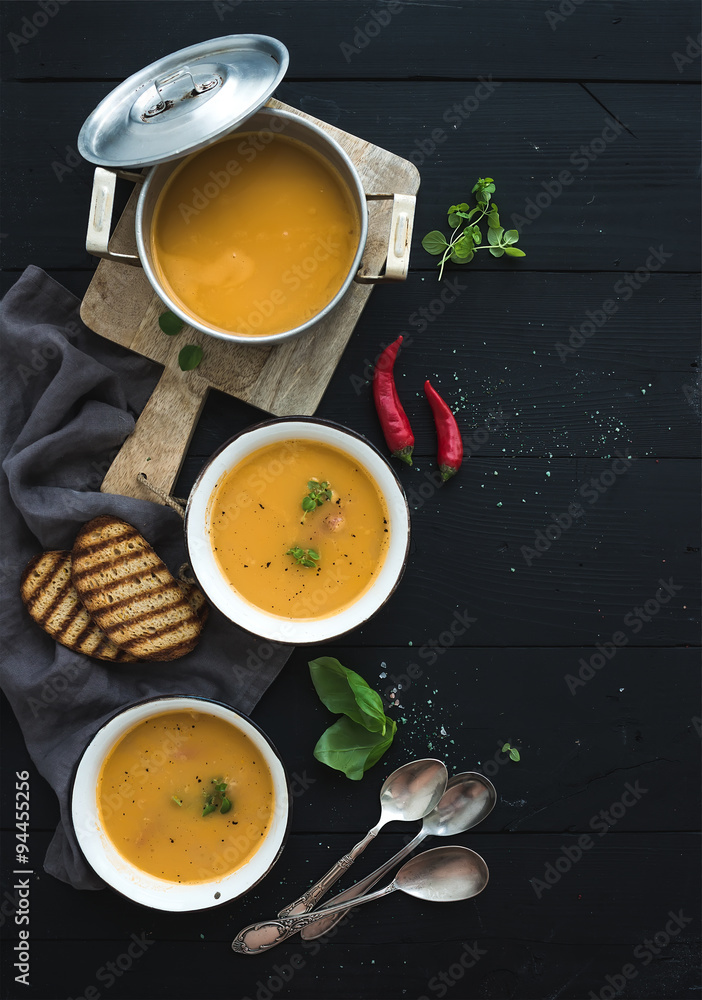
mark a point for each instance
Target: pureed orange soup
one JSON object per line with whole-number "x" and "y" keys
{"x": 161, "y": 777}
{"x": 255, "y": 234}
{"x": 256, "y": 518}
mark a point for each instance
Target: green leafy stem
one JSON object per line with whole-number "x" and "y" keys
{"x": 304, "y": 557}
{"x": 318, "y": 494}
{"x": 466, "y": 239}
{"x": 512, "y": 751}
{"x": 216, "y": 799}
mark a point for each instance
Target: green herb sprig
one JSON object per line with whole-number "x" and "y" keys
{"x": 512, "y": 751}
{"x": 304, "y": 557}
{"x": 466, "y": 239}
{"x": 358, "y": 740}
{"x": 318, "y": 494}
{"x": 190, "y": 356}
{"x": 216, "y": 799}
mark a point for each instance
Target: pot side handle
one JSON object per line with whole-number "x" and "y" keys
{"x": 399, "y": 240}
{"x": 100, "y": 217}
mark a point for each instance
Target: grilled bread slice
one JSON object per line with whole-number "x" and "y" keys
{"x": 129, "y": 592}
{"x": 196, "y": 599}
{"x": 52, "y": 601}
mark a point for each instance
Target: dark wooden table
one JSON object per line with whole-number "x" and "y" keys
{"x": 605, "y": 91}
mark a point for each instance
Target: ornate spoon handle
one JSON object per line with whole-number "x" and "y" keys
{"x": 308, "y": 900}
{"x": 326, "y": 921}
{"x": 265, "y": 934}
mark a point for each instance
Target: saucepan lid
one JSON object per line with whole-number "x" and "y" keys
{"x": 183, "y": 101}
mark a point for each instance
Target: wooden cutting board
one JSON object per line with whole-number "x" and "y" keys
{"x": 287, "y": 378}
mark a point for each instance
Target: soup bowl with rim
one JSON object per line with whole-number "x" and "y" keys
{"x": 124, "y": 876}
{"x": 220, "y": 590}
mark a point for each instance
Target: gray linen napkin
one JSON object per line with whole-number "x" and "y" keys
{"x": 67, "y": 399}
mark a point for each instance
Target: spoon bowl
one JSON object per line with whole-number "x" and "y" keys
{"x": 443, "y": 875}
{"x": 469, "y": 798}
{"x": 413, "y": 790}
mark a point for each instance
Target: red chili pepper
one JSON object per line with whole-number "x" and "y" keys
{"x": 450, "y": 451}
{"x": 393, "y": 419}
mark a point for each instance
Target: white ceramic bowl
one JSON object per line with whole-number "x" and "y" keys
{"x": 131, "y": 881}
{"x": 215, "y": 584}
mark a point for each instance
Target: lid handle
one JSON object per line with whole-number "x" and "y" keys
{"x": 160, "y": 103}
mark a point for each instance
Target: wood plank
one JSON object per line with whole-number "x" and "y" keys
{"x": 613, "y": 40}
{"x": 513, "y": 866}
{"x": 524, "y": 134}
{"x": 633, "y": 721}
{"x": 564, "y": 941}
{"x": 474, "y": 548}
{"x": 493, "y": 350}
{"x": 534, "y": 970}
{"x": 640, "y": 370}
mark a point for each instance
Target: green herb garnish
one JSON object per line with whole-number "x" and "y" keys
{"x": 513, "y": 752}
{"x": 216, "y": 799}
{"x": 466, "y": 239}
{"x": 190, "y": 357}
{"x": 318, "y": 494}
{"x": 170, "y": 323}
{"x": 178, "y": 802}
{"x": 355, "y": 743}
{"x": 304, "y": 557}
{"x": 350, "y": 748}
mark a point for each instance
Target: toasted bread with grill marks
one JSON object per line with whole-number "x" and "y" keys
{"x": 52, "y": 601}
{"x": 196, "y": 599}
{"x": 130, "y": 593}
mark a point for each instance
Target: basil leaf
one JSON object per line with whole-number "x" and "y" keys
{"x": 170, "y": 323}
{"x": 514, "y": 252}
{"x": 494, "y": 236}
{"x": 511, "y": 236}
{"x": 348, "y": 747}
{"x": 190, "y": 357}
{"x": 434, "y": 242}
{"x": 347, "y": 693}
{"x": 375, "y": 755}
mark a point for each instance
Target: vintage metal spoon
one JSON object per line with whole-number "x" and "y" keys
{"x": 442, "y": 875}
{"x": 469, "y": 798}
{"x": 409, "y": 793}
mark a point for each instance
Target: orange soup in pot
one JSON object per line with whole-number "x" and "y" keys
{"x": 255, "y": 234}
{"x": 288, "y": 561}
{"x": 185, "y": 796}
